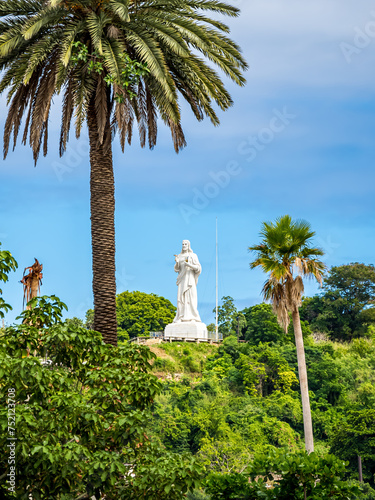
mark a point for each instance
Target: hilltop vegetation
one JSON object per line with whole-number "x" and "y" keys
{"x": 183, "y": 420}
{"x": 228, "y": 404}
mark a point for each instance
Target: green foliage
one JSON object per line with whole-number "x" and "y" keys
{"x": 7, "y": 264}
{"x": 262, "y": 325}
{"x": 256, "y": 370}
{"x": 165, "y": 365}
{"x": 306, "y": 333}
{"x": 247, "y": 403}
{"x": 197, "y": 495}
{"x": 354, "y": 281}
{"x": 354, "y": 436}
{"x": 82, "y": 413}
{"x": 165, "y": 476}
{"x": 147, "y": 52}
{"x": 367, "y": 493}
{"x": 131, "y": 71}
{"x": 43, "y": 311}
{"x": 188, "y": 358}
{"x": 89, "y": 323}
{"x": 301, "y": 476}
{"x": 139, "y": 313}
{"x": 74, "y": 322}
{"x": 230, "y": 321}
{"x": 232, "y": 486}
{"x": 286, "y": 476}
{"x": 310, "y": 309}
{"x": 130, "y": 75}
{"x": 218, "y": 417}
{"x": 345, "y": 308}
{"x": 211, "y": 327}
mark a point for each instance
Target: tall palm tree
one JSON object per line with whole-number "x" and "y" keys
{"x": 285, "y": 250}
{"x": 116, "y": 62}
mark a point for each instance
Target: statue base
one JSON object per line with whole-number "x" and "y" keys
{"x": 192, "y": 331}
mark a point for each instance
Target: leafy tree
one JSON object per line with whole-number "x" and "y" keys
{"x": 262, "y": 325}
{"x": 82, "y": 416}
{"x": 7, "y": 264}
{"x": 354, "y": 281}
{"x": 74, "y": 414}
{"x": 114, "y": 62}
{"x": 140, "y": 313}
{"x": 283, "y": 476}
{"x": 74, "y": 322}
{"x": 345, "y": 309}
{"x": 211, "y": 328}
{"x": 225, "y": 316}
{"x": 230, "y": 321}
{"x": 89, "y": 323}
{"x": 285, "y": 247}
{"x": 301, "y": 476}
{"x": 263, "y": 370}
{"x": 234, "y": 486}
{"x": 356, "y": 436}
{"x": 310, "y": 309}
{"x": 197, "y": 495}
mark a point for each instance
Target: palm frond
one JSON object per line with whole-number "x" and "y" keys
{"x": 67, "y": 113}
{"x": 285, "y": 247}
{"x": 96, "y": 24}
{"x": 120, "y": 9}
{"x": 165, "y": 35}
{"x": 72, "y": 29}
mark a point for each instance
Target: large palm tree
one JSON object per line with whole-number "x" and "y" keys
{"x": 116, "y": 62}
{"x": 285, "y": 252}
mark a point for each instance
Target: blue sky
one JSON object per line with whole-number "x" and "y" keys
{"x": 298, "y": 140}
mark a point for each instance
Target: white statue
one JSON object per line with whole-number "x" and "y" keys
{"x": 188, "y": 268}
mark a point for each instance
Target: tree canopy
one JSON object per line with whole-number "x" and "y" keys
{"x": 345, "y": 309}
{"x": 230, "y": 320}
{"x": 140, "y": 313}
{"x": 7, "y": 264}
{"x": 262, "y": 324}
{"x": 92, "y": 420}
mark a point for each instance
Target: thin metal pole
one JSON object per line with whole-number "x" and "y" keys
{"x": 217, "y": 291}
{"x": 360, "y": 469}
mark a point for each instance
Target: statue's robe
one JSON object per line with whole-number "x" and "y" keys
{"x": 187, "y": 279}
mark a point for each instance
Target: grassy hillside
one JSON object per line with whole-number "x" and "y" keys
{"x": 177, "y": 359}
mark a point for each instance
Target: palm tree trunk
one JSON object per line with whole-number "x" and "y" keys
{"x": 34, "y": 288}
{"x": 302, "y": 372}
{"x": 102, "y": 205}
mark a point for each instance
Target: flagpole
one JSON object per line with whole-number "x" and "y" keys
{"x": 217, "y": 291}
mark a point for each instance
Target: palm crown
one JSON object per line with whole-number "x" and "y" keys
{"x": 131, "y": 58}
{"x": 285, "y": 249}
{"x": 116, "y": 63}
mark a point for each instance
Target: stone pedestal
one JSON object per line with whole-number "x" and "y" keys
{"x": 192, "y": 331}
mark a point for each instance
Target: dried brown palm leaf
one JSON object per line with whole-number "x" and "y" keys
{"x": 151, "y": 119}
{"x": 32, "y": 281}
{"x": 101, "y": 107}
{"x": 141, "y": 114}
{"x": 67, "y": 113}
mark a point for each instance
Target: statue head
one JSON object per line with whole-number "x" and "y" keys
{"x": 186, "y": 246}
